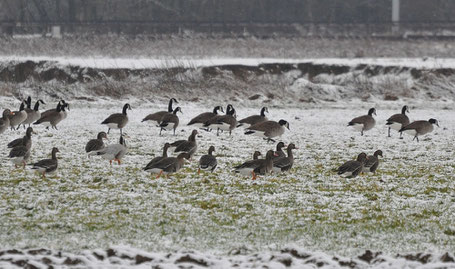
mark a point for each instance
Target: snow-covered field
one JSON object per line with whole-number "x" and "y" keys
{"x": 298, "y": 219}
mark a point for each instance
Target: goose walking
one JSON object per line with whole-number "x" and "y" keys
{"x": 158, "y": 115}
{"x": 268, "y": 129}
{"x": 372, "y": 162}
{"x": 353, "y": 168}
{"x": 420, "y": 127}
{"x": 168, "y": 165}
{"x": 4, "y": 121}
{"x": 58, "y": 107}
{"x": 158, "y": 158}
{"x": 285, "y": 163}
{"x": 117, "y": 120}
{"x": 170, "y": 121}
{"x": 223, "y": 122}
{"x": 398, "y": 121}
{"x": 95, "y": 144}
{"x": 33, "y": 114}
{"x": 113, "y": 152}
{"x": 208, "y": 161}
{"x": 252, "y": 120}
{"x": 47, "y": 166}
{"x": 365, "y": 122}
{"x": 202, "y": 118}
{"x": 18, "y": 117}
{"x": 52, "y": 117}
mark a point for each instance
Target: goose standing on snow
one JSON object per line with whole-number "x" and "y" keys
{"x": 223, "y": 122}
{"x": 365, "y": 122}
{"x": 285, "y": 163}
{"x": 58, "y": 107}
{"x": 202, "y": 118}
{"x": 168, "y": 165}
{"x": 268, "y": 129}
{"x": 113, "y": 152}
{"x": 189, "y": 146}
{"x": 158, "y": 158}
{"x": 95, "y": 144}
{"x": 170, "y": 121}
{"x": 21, "y": 153}
{"x": 398, "y": 121}
{"x": 252, "y": 120}
{"x": 158, "y": 115}
{"x": 353, "y": 168}
{"x": 208, "y": 161}
{"x": 52, "y": 117}
{"x": 117, "y": 120}
{"x": 372, "y": 162}
{"x": 258, "y": 166}
{"x": 23, "y": 140}
{"x": 47, "y": 166}
{"x": 18, "y": 117}
{"x": 4, "y": 121}
{"x": 33, "y": 114}
{"x": 420, "y": 127}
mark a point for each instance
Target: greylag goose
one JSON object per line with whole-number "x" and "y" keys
{"x": 117, "y": 120}
{"x": 252, "y": 120}
{"x": 208, "y": 161}
{"x": 95, "y": 144}
{"x": 398, "y": 121}
{"x": 113, "y": 152}
{"x": 365, "y": 122}
{"x": 158, "y": 115}
{"x": 170, "y": 121}
{"x": 353, "y": 168}
{"x": 372, "y": 162}
{"x": 420, "y": 127}
{"x": 168, "y": 165}
{"x": 268, "y": 129}
{"x": 202, "y": 118}
{"x": 47, "y": 166}
{"x": 285, "y": 163}
{"x": 4, "y": 121}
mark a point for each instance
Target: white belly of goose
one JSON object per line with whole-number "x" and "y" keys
{"x": 169, "y": 126}
{"x": 410, "y": 132}
{"x": 17, "y": 160}
{"x": 396, "y": 126}
{"x": 276, "y": 169}
{"x": 346, "y": 174}
{"x": 113, "y": 125}
{"x": 223, "y": 126}
{"x": 245, "y": 171}
{"x": 357, "y": 126}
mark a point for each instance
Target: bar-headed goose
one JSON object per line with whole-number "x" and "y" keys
{"x": 285, "y": 163}
{"x": 279, "y": 151}
{"x": 170, "y": 121}
{"x": 95, "y": 144}
{"x": 202, "y": 118}
{"x": 47, "y": 166}
{"x": 189, "y": 146}
{"x": 158, "y": 158}
{"x": 223, "y": 122}
{"x": 23, "y": 141}
{"x": 372, "y": 162}
{"x": 168, "y": 165}
{"x": 420, "y": 127}
{"x": 21, "y": 153}
{"x": 18, "y": 117}
{"x": 365, "y": 122}
{"x": 117, "y": 120}
{"x": 398, "y": 121}
{"x": 33, "y": 114}
{"x": 208, "y": 161}
{"x": 353, "y": 168}
{"x": 114, "y": 152}
{"x": 252, "y": 120}
{"x": 158, "y": 115}
{"x": 268, "y": 129}
{"x": 52, "y": 118}
{"x": 4, "y": 121}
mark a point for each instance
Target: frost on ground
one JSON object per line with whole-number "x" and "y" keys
{"x": 407, "y": 207}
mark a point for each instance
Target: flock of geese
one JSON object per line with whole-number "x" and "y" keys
{"x": 258, "y": 125}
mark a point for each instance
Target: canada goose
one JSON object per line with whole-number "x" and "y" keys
{"x": 279, "y": 151}
{"x": 65, "y": 107}
{"x": 33, "y": 114}
{"x": 353, "y": 168}
{"x": 223, "y": 122}
{"x": 285, "y": 163}
{"x": 158, "y": 158}
{"x": 23, "y": 141}
{"x": 170, "y": 121}
{"x": 189, "y": 146}
{"x": 18, "y": 117}
{"x": 200, "y": 119}
{"x": 208, "y": 161}
{"x": 168, "y": 165}
{"x": 58, "y": 107}
{"x": 21, "y": 153}
{"x": 420, "y": 127}
{"x": 398, "y": 121}
{"x": 158, "y": 115}
{"x": 52, "y": 118}
{"x": 4, "y": 121}
{"x": 365, "y": 122}
{"x": 114, "y": 152}
{"x": 47, "y": 166}
{"x": 252, "y": 120}
{"x": 372, "y": 162}
{"x": 95, "y": 144}
{"x": 268, "y": 129}
{"x": 117, "y": 120}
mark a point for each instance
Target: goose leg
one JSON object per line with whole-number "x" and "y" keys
{"x": 161, "y": 172}
{"x": 161, "y": 130}
{"x": 217, "y": 131}
{"x": 108, "y": 130}
{"x": 198, "y": 171}
{"x": 361, "y": 133}
{"x": 119, "y": 161}
{"x": 254, "y": 175}
{"x": 121, "y": 132}
{"x": 110, "y": 162}
{"x": 389, "y": 131}
{"x": 401, "y": 135}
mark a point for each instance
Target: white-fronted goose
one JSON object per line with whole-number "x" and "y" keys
{"x": 189, "y": 146}
{"x": 52, "y": 118}
{"x": 21, "y": 153}
{"x": 4, "y": 121}
{"x": 23, "y": 141}
{"x": 240, "y": 168}
{"x": 223, "y": 122}
{"x": 284, "y": 163}
{"x": 353, "y": 168}
{"x": 365, "y": 122}
{"x": 279, "y": 151}
{"x": 420, "y": 127}
{"x": 208, "y": 161}
{"x": 158, "y": 115}
{"x": 372, "y": 162}
{"x": 168, "y": 165}
{"x": 47, "y": 166}
{"x": 170, "y": 121}
{"x": 33, "y": 114}
{"x": 117, "y": 120}
{"x": 114, "y": 152}
{"x": 158, "y": 158}
{"x": 268, "y": 129}
{"x": 95, "y": 144}
{"x": 18, "y": 117}
{"x": 398, "y": 121}
{"x": 202, "y": 118}
{"x": 252, "y": 120}
{"x": 258, "y": 166}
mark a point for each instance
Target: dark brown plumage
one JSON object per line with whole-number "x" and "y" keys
{"x": 252, "y": 120}
{"x": 353, "y": 168}
{"x": 96, "y": 144}
{"x": 170, "y": 121}
{"x": 47, "y": 166}
{"x": 202, "y": 118}
{"x": 398, "y": 121}
{"x": 168, "y": 165}
{"x": 285, "y": 163}
{"x": 158, "y": 158}
{"x": 420, "y": 127}
{"x": 365, "y": 122}
{"x": 189, "y": 146}
{"x": 372, "y": 162}
{"x": 208, "y": 161}
{"x": 117, "y": 120}
{"x": 158, "y": 115}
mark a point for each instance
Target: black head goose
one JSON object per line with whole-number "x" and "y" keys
{"x": 202, "y": 118}
{"x": 268, "y": 129}
{"x": 208, "y": 161}
{"x": 47, "y": 166}
{"x": 285, "y": 163}
{"x": 114, "y": 152}
{"x": 117, "y": 120}
{"x": 158, "y": 115}
{"x": 365, "y": 122}
{"x": 168, "y": 165}
{"x": 170, "y": 121}
{"x": 189, "y": 146}
{"x": 4, "y": 121}
{"x": 398, "y": 121}
{"x": 353, "y": 168}
{"x": 18, "y": 117}
{"x": 23, "y": 141}
{"x": 252, "y": 120}
{"x": 52, "y": 118}
{"x": 65, "y": 109}
{"x": 223, "y": 122}
{"x": 372, "y": 162}
{"x": 47, "y": 112}
{"x": 95, "y": 144}
{"x": 21, "y": 153}
{"x": 33, "y": 114}
{"x": 158, "y": 158}
{"x": 279, "y": 151}
{"x": 420, "y": 127}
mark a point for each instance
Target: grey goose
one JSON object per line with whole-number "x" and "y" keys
{"x": 26, "y": 140}
{"x": 113, "y": 152}
{"x": 398, "y": 121}
{"x": 52, "y": 118}
{"x": 268, "y": 129}
{"x": 158, "y": 158}
{"x": 95, "y": 144}
{"x": 202, "y": 118}
{"x": 420, "y": 127}
{"x": 168, "y": 165}
{"x": 158, "y": 115}
{"x": 21, "y": 153}
{"x": 279, "y": 151}
{"x": 47, "y": 166}
{"x": 365, "y": 122}
{"x": 208, "y": 161}
{"x": 189, "y": 146}
{"x": 117, "y": 120}
{"x": 223, "y": 122}
{"x": 33, "y": 114}
{"x": 372, "y": 162}
{"x": 285, "y": 163}
{"x": 18, "y": 117}
{"x": 4, "y": 121}
{"x": 252, "y": 120}
{"x": 353, "y": 168}
{"x": 170, "y": 121}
